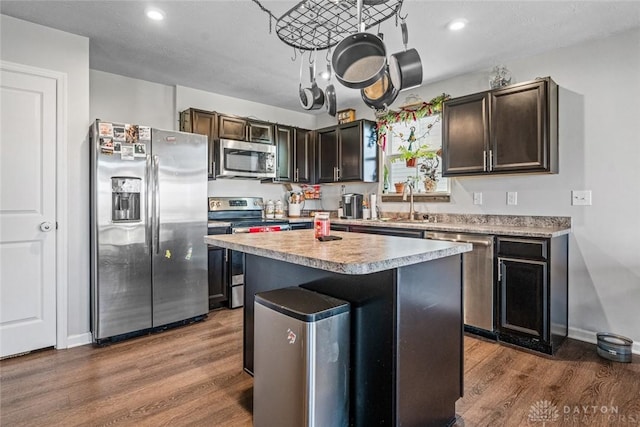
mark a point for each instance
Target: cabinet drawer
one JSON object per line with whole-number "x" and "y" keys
{"x": 522, "y": 248}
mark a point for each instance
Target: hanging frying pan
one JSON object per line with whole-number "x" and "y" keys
{"x": 405, "y": 68}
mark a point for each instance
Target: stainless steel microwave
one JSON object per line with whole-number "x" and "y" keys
{"x": 241, "y": 159}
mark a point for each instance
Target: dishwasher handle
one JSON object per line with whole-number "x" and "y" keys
{"x": 473, "y": 242}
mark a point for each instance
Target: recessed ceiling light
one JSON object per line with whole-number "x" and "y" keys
{"x": 457, "y": 24}
{"x": 155, "y": 14}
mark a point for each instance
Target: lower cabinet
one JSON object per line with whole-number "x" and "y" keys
{"x": 523, "y": 293}
{"x": 307, "y": 225}
{"x": 399, "y": 232}
{"x": 532, "y": 292}
{"x": 218, "y": 273}
{"x": 339, "y": 227}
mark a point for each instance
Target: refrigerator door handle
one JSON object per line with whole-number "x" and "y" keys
{"x": 156, "y": 202}
{"x": 148, "y": 206}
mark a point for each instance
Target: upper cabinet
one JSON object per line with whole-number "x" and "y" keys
{"x": 203, "y": 123}
{"x": 303, "y": 155}
{"x": 241, "y": 129}
{"x": 260, "y": 132}
{"x": 509, "y": 130}
{"x": 230, "y": 127}
{"x": 295, "y": 154}
{"x": 347, "y": 152}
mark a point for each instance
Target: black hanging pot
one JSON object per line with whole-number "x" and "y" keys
{"x": 405, "y": 68}
{"x": 330, "y": 93}
{"x": 311, "y": 98}
{"x": 381, "y": 94}
{"x": 359, "y": 60}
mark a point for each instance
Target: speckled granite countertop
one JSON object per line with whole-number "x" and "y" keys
{"x": 503, "y": 230}
{"x": 356, "y": 253}
{"x": 503, "y": 225}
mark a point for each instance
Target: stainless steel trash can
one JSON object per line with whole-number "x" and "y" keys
{"x": 301, "y": 362}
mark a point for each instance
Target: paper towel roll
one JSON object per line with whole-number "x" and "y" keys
{"x": 372, "y": 206}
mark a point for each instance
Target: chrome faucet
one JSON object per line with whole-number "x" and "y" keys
{"x": 412, "y": 212}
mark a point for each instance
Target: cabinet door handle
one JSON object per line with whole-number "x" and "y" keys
{"x": 490, "y": 160}
{"x": 484, "y": 160}
{"x": 337, "y": 174}
{"x": 295, "y": 175}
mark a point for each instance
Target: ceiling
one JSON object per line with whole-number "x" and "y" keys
{"x": 225, "y": 47}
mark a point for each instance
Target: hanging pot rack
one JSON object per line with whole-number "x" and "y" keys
{"x": 321, "y": 24}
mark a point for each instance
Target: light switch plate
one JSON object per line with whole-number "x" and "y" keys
{"x": 512, "y": 197}
{"x": 581, "y": 197}
{"x": 477, "y": 198}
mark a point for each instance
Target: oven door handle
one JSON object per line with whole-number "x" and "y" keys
{"x": 239, "y": 230}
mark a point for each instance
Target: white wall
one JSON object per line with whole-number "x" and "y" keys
{"x": 599, "y": 151}
{"x": 38, "y": 46}
{"x": 121, "y": 99}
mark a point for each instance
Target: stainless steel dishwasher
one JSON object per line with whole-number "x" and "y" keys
{"x": 477, "y": 277}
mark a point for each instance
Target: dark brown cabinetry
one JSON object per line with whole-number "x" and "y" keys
{"x": 295, "y": 154}
{"x": 230, "y": 127}
{"x": 347, "y": 152}
{"x": 241, "y": 129}
{"x": 399, "y": 232}
{"x": 203, "y": 123}
{"x": 260, "y": 132}
{"x": 532, "y": 292}
{"x": 218, "y": 273}
{"x": 509, "y": 130}
{"x": 303, "y": 155}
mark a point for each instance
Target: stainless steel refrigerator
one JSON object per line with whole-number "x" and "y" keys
{"x": 148, "y": 220}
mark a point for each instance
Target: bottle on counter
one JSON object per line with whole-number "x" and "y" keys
{"x": 321, "y": 224}
{"x": 278, "y": 209}
{"x": 373, "y": 205}
{"x": 270, "y": 210}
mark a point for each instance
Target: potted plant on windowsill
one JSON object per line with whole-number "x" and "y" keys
{"x": 411, "y": 156}
{"x": 429, "y": 168}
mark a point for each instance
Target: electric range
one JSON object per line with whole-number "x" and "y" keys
{"x": 245, "y": 214}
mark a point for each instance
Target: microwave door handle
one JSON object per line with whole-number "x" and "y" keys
{"x": 156, "y": 202}
{"x": 148, "y": 206}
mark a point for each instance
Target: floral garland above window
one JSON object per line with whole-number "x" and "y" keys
{"x": 384, "y": 123}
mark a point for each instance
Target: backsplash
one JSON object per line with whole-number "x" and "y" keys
{"x": 479, "y": 219}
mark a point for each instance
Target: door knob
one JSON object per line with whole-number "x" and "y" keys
{"x": 46, "y": 226}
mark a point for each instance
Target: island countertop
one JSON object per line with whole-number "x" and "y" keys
{"x": 356, "y": 253}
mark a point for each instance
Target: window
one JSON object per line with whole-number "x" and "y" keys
{"x": 426, "y": 175}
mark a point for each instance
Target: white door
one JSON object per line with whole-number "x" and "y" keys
{"x": 27, "y": 212}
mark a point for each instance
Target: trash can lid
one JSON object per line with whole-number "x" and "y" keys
{"x": 302, "y": 304}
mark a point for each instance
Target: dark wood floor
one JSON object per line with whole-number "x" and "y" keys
{"x": 193, "y": 376}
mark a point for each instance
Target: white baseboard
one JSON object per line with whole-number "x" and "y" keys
{"x": 590, "y": 336}
{"x": 78, "y": 340}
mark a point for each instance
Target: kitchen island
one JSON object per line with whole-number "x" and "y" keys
{"x": 406, "y": 314}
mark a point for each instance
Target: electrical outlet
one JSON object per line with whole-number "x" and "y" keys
{"x": 477, "y": 198}
{"x": 512, "y": 197}
{"x": 581, "y": 197}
